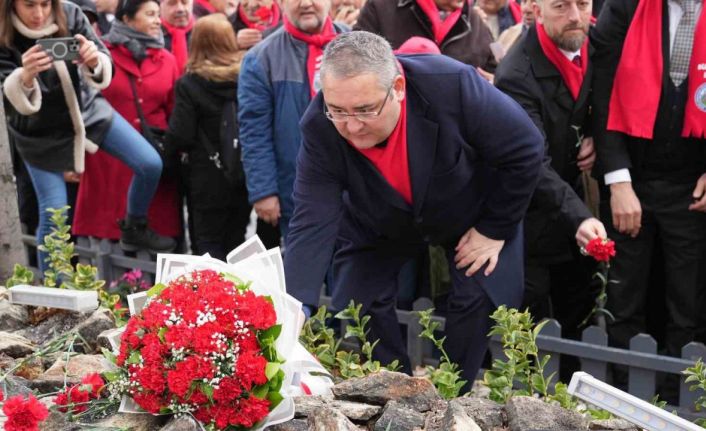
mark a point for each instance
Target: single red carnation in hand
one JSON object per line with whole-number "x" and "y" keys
{"x": 24, "y": 415}
{"x": 601, "y": 249}
{"x": 264, "y": 13}
{"x": 2, "y": 396}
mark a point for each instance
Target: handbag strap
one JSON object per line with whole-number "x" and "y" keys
{"x": 146, "y": 132}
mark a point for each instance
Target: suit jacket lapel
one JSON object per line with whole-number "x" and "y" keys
{"x": 421, "y": 145}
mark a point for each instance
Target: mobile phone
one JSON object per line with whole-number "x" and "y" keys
{"x": 61, "y": 48}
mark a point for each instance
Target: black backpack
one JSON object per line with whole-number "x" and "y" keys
{"x": 225, "y": 154}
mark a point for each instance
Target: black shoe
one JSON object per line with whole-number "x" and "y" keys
{"x": 137, "y": 236}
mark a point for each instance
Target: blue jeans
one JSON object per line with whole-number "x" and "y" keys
{"x": 122, "y": 142}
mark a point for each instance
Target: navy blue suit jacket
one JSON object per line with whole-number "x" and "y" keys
{"x": 474, "y": 158}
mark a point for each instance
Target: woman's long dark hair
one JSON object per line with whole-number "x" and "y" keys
{"x": 7, "y": 30}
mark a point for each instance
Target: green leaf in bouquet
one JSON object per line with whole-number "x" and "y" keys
{"x": 165, "y": 411}
{"x": 271, "y": 369}
{"x": 235, "y": 280}
{"x": 134, "y": 358}
{"x": 112, "y": 376}
{"x": 107, "y": 354}
{"x": 276, "y": 382}
{"x": 156, "y": 290}
{"x": 161, "y": 333}
{"x": 275, "y": 398}
{"x": 272, "y": 332}
{"x": 207, "y": 390}
{"x": 260, "y": 391}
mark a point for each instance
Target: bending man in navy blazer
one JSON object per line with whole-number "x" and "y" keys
{"x": 400, "y": 153}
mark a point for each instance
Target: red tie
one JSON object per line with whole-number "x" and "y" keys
{"x": 577, "y": 60}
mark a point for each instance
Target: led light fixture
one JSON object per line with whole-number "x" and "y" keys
{"x": 52, "y": 297}
{"x": 626, "y": 406}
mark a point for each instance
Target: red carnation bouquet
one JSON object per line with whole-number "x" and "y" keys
{"x": 203, "y": 345}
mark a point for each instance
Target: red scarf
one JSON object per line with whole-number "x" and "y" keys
{"x": 316, "y": 43}
{"x": 638, "y": 80}
{"x": 391, "y": 160}
{"x": 571, "y": 73}
{"x": 271, "y": 19}
{"x": 440, "y": 28}
{"x": 515, "y": 10}
{"x": 206, "y": 5}
{"x": 180, "y": 46}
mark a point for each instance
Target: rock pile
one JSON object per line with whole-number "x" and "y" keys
{"x": 385, "y": 401}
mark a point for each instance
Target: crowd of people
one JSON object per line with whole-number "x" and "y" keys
{"x": 508, "y": 133}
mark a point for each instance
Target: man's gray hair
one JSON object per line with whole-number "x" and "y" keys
{"x": 359, "y": 52}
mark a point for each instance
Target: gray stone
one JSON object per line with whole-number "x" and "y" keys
{"x": 415, "y": 392}
{"x": 487, "y": 414}
{"x": 15, "y": 345}
{"x": 293, "y": 425}
{"x": 131, "y": 421}
{"x": 613, "y": 424}
{"x": 328, "y": 419}
{"x": 306, "y": 405}
{"x": 57, "y": 422}
{"x": 182, "y": 423}
{"x": 91, "y": 328}
{"x": 398, "y": 417}
{"x": 528, "y": 413}
{"x": 3, "y": 293}
{"x": 60, "y": 322}
{"x": 12, "y": 317}
{"x": 456, "y": 419}
{"x": 78, "y": 366}
{"x": 479, "y": 390}
{"x": 14, "y": 385}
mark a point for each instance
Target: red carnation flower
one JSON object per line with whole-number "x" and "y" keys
{"x": 250, "y": 369}
{"x": 601, "y": 249}
{"x": 24, "y": 415}
{"x": 74, "y": 397}
{"x": 149, "y": 402}
{"x": 257, "y": 310}
{"x": 264, "y": 13}
{"x": 95, "y": 381}
{"x": 250, "y": 411}
{"x": 228, "y": 390}
{"x": 2, "y": 396}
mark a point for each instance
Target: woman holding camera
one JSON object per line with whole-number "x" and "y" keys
{"x": 50, "y": 127}
{"x": 203, "y": 124}
{"x": 145, "y": 75}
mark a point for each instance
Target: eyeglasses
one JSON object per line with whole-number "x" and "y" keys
{"x": 342, "y": 117}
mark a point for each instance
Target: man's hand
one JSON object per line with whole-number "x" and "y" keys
{"x": 589, "y": 229}
{"x": 268, "y": 209}
{"x": 72, "y": 177}
{"x": 476, "y": 249}
{"x": 587, "y": 155}
{"x": 626, "y": 209}
{"x": 699, "y": 195}
{"x": 486, "y": 75}
{"x": 248, "y": 37}
{"x": 34, "y": 61}
{"x": 347, "y": 15}
{"x": 87, "y": 51}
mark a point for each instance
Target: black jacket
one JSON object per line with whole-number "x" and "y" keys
{"x": 676, "y": 159}
{"x": 45, "y": 138}
{"x": 527, "y": 75}
{"x": 197, "y": 115}
{"x": 397, "y": 20}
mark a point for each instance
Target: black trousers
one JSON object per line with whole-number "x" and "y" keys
{"x": 219, "y": 229}
{"x": 561, "y": 291}
{"x": 682, "y": 236}
{"x": 375, "y": 270}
